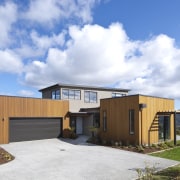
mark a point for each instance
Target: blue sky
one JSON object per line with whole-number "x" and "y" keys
{"x": 126, "y": 44}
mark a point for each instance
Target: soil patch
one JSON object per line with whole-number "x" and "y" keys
{"x": 5, "y": 156}
{"x": 145, "y": 150}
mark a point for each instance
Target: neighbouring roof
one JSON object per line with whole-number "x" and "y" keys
{"x": 85, "y": 87}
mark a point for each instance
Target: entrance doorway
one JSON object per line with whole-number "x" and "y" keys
{"x": 164, "y": 128}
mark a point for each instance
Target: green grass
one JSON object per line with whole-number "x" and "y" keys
{"x": 173, "y": 154}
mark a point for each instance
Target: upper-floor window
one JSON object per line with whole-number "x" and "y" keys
{"x": 71, "y": 94}
{"x": 90, "y": 97}
{"x": 115, "y": 94}
{"x": 56, "y": 94}
{"x": 131, "y": 121}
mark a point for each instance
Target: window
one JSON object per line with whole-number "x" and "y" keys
{"x": 71, "y": 94}
{"x": 56, "y": 94}
{"x": 131, "y": 121}
{"x": 90, "y": 97}
{"x": 104, "y": 121}
{"x": 114, "y": 94}
{"x": 96, "y": 120}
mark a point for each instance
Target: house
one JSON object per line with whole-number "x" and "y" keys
{"x": 134, "y": 119}
{"x": 137, "y": 119}
{"x": 84, "y": 103}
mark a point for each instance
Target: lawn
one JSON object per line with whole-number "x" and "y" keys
{"x": 173, "y": 154}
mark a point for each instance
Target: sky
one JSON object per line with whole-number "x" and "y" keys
{"x": 130, "y": 44}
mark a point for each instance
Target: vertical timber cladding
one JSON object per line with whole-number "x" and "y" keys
{"x": 118, "y": 119}
{"x": 19, "y": 107}
{"x": 150, "y": 118}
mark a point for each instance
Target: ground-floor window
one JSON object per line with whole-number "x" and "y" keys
{"x": 104, "y": 121}
{"x": 96, "y": 120}
{"x": 131, "y": 121}
{"x": 164, "y": 128}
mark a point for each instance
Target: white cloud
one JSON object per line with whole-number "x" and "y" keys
{"x": 106, "y": 56}
{"x": 45, "y": 42}
{"x": 8, "y": 15}
{"x": 50, "y": 11}
{"x": 26, "y": 93}
{"x": 10, "y": 62}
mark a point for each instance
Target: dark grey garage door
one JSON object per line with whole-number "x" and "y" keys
{"x": 25, "y": 129}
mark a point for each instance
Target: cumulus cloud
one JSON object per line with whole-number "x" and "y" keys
{"x": 49, "y": 11}
{"x": 26, "y": 93}
{"x": 10, "y": 62}
{"x": 8, "y": 15}
{"x": 106, "y": 56}
{"x": 44, "y": 42}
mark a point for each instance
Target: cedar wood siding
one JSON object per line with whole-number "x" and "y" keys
{"x": 118, "y": 118}
{"x": 29, "y": 107}
{"x": 150, "y": 118}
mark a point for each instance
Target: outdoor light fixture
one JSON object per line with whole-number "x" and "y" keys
{"x": 142, "y": 106}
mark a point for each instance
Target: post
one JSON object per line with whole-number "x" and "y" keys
{"x": 141, "y": 128}
{"x": 175, "y": 128}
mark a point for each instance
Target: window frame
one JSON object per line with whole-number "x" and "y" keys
{"x": 56, "y": 94}
{"x": 117, "y": 94}
{"x": 131, "y": 121}
{"x": 88, "y": 97}
{"x": 104, "y": 120}
{"x": 72, "y": 94}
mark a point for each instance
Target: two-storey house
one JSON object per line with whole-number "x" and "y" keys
{"x": 84, "y": 103}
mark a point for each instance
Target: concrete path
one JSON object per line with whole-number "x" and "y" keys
{"x": 54, "y": 159}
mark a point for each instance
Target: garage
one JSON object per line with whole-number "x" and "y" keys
{"x": 26, "y": 129}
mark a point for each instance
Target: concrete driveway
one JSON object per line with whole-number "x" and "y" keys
{"x": 54, "y": 159}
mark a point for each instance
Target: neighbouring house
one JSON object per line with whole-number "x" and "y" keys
{"x": 84, "y": 103}
{"x": 137, "y": 119}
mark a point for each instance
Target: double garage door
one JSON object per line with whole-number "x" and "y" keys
{"x": 26, "y": 129}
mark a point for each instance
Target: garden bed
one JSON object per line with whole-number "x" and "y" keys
{"x": 5, "y": 156}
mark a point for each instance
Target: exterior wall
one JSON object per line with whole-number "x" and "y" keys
{"x": 76, "y": 105}
{"x": 150, "y": 117}
{"x": 118, "y": 118}
{"x": 29, "y": 107}
{"x": 117, "y": 110}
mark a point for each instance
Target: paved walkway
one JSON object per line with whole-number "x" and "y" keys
{"x": 55, "y": 159}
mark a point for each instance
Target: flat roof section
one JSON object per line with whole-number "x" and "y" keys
{"x": 86, "y": 87}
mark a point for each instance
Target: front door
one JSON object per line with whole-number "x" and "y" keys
{"x": 79, "y": 125}
{"x": 164, "y": 128}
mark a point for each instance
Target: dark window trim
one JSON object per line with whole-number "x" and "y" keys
{"x": 104, "y": 120}
{"x": 89, "y": 96}
{"x": 131, "y": 118}
{"x": 74, "y": 93}
{"x": 55, "y": 94}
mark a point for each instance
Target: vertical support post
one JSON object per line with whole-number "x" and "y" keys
{"x": 175, "y": 128}
{"x": 141, "y": 128}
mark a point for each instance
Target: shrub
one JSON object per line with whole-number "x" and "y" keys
{"x": 146, "y": 173}
{"x": 163, "y": 146}
{"x": 140, "y": 148}
{"x": 169, "y": 144}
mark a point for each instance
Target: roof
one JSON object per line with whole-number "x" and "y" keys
{"x": 137, "y": 95}
{"x": 85, "y": 87}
